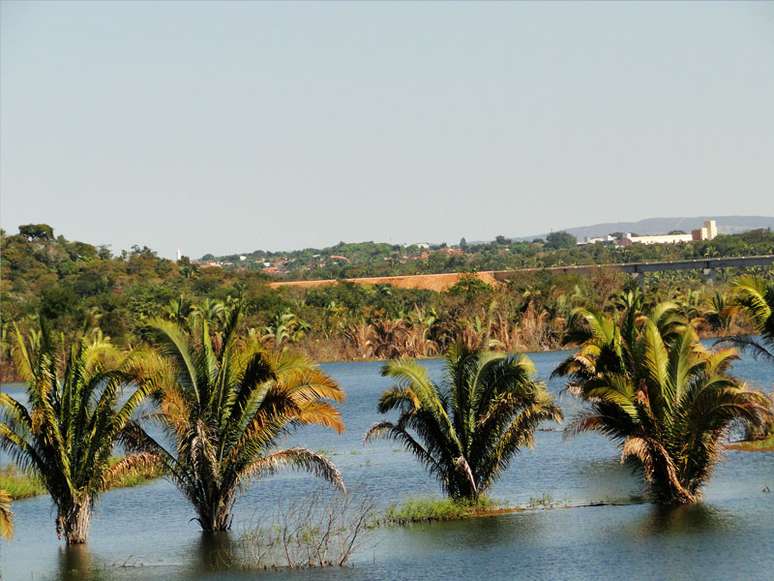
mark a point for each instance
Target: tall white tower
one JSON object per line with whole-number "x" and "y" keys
{"x": 712, "y": 229}
{"x": 179, "y": 255}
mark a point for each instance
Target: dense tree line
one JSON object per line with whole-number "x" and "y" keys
{"x": 72, "y": 284}
{"x": 351, "y": 260}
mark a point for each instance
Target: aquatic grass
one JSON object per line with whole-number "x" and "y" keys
{"x": 419, "y": 510}
{"x": 544, "y": 501}
{"x": 20, "y": 485}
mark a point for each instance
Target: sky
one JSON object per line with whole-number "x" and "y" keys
{"x": 231, "y": 127}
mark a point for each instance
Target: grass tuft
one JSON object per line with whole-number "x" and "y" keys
{"x": 19, "y": 485}
{"x": 430, "y": 510}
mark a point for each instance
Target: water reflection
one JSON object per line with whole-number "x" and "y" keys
{"x": 75, "y": 563}
{"x": 213, "y": 552}
{"x": 683, "y": 520}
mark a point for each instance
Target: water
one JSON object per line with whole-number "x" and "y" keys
{"x": 146, "y": 532}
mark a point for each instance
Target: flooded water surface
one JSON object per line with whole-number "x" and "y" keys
{"x": 147, "y": 532}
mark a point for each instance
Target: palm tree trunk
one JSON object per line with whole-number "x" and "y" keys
{"x": 667, "y": 490}
{"x": 216, "y": 515}
{"x": 73, "y": 521}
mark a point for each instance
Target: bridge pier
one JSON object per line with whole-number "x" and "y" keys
{"x": 709, "y": 275}
{"x": 639, "y": 278}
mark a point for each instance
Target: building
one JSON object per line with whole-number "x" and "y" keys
{"x": 659, "y": 238}
{"x": 707, "y": 232}
{"x": 597, "y": 240}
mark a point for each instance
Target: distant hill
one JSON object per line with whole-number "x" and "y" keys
{"x": 726, "y": 225}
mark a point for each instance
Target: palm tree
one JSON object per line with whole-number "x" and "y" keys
{"x": 225, "y": 408}
{"x": 467, "y": 432}
{"x": 755, "y": 297}
{"x": 720, "y": 313}
{"x": 285, "y": 327}
{"x": 178, "y": 309}
{"x": 6, "y": 516}
{"x": 361, "y": 335}
{"x": 77, "y": 412}
{"x": 653, "y": 388}
{"x": 212, "y": 311}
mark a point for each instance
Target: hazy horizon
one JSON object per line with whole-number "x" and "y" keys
{"x": 232, "y": 127}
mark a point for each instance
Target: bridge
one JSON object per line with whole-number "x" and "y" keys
{"x": 442, "y": 281}
{"x": 707, "y": 265}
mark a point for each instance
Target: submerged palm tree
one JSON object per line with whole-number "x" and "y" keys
{"x": 225, "y": 408}
{"x": 466, "y": 432}
{"x": 77, "y": 412}
{"x": 756, "y": 298}
{"x": 6, "y": 516}
{"x": 657, "y": 391}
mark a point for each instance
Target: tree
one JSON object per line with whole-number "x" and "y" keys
{"x": 470, "y": 286}
{"x": 653, "y": 388}
{"x": 80, "y": 401}
{"x": 36, "y": 232}
{"x": 720, "y": 313}
{"x": 6, "y": 516}
{"x": 225, "y": 407}
{"x": 467, "y": 434}
{"x": 755, "y": 297}
{"x": 557, "y": 240}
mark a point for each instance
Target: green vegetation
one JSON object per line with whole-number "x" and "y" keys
{"x": 223, "y": 363}
{"x": 225, "y": 401}
{"x": 20, "y": 486}
{"x": 73, "y": 422}
{"x": 653, "y": 388}
{"x": 756, "y": 298}
{"x": 544, "y": 501}
{"x": 429, "y": 510}
{"x": 75, "y": 285}
{"x": 351, "y": 260}
{"x": 557, "y": 240}
{"x": 468, "y": 434}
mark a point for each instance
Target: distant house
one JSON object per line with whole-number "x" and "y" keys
{"x": 597, "y": 240}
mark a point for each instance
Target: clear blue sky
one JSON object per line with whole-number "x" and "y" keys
{"x": 226, "y": 127}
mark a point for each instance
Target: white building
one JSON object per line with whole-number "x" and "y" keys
{"x": 707, "y": 232}
{"x": 659, "y": 238}
{"x": 597, "y": 240}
